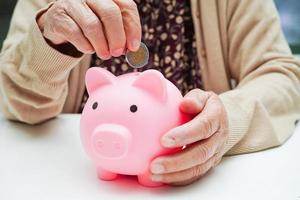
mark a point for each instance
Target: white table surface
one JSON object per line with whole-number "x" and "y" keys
{"x": 47, "y": 162}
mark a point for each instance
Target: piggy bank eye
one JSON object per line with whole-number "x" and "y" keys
{"x": 95, "y": 105}
{"x": 133, "y": 108}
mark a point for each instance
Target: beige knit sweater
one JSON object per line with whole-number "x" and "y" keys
{"x": 238, "y": 41}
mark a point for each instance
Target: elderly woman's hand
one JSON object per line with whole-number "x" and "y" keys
{"x": 107, "y": 27}
{"x": 204, "y": 136}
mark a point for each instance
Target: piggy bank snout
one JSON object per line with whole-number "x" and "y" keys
{"x": 111, "y": 141}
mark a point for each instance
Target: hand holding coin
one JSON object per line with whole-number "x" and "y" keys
{"x": 139, "y": 58}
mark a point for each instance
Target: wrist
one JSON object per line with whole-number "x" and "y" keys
{"x": 40, "y": 19}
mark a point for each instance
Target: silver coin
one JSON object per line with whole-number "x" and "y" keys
{"x": 139, "y": 58}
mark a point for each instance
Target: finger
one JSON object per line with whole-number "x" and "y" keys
{"x": 73, "y": 34}
{"x": 186, "y": 182}
{"x": 201, "y": 127}
{"x": 186, "y": 176}
{"x": 132, "y": 24}
{"x": 194, "y": 101}
{"x": 217, "y": 160}
{"x": 111, "y": 18}
{"x": 91, "y": 27}
{"x": 195, "y": 154}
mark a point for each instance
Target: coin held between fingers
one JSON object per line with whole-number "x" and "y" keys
{"x": 138, "y": 58}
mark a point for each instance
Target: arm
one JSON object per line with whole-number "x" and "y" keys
{"x": 260, "y": 113}
{"x": 33, "y": 75}
{"x": 262, "y": 110}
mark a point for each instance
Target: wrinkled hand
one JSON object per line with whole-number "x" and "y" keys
{"x": 204, "y": 136}
{"x": 107, "y": 27}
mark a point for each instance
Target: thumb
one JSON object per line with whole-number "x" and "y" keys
{"x": 194, "y": 101}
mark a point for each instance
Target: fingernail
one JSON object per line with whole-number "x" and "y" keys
{"x": 117, "y": 52}
{"x": 168, "y": 141}
{"x": 88, "y": 51}
{"x": 190, "y": 99}
{"x": 105, "y": 56}
{"x": 173, "y": 138}
{"x": 156, "y": 178}
{"x": 135, "y": 44}
{"x": 157, "y": 168}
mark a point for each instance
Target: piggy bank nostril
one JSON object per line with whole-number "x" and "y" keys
{"x": 99, "y": 144}
{"x": 117, "y": 145}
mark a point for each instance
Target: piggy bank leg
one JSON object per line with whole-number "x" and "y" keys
{"x": 106, "y": 175}
{"x": 145, "y": 180}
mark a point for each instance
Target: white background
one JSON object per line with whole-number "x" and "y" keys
{"x": 48, "y": 162}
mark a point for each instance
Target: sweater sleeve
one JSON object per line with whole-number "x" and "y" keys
{"x": 265, "y": 105}
{"x": 33, "y": 75}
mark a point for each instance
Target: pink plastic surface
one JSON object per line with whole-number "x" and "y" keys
{"x": 124, "y": 119}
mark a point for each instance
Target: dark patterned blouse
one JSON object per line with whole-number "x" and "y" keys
{"x": 168, "y": 32}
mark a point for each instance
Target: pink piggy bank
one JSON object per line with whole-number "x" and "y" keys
{"x": 124, "y": 119}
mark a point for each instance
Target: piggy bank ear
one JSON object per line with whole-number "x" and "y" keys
{"x": 96, "y": 77}
{"x": 153, "y": 82}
